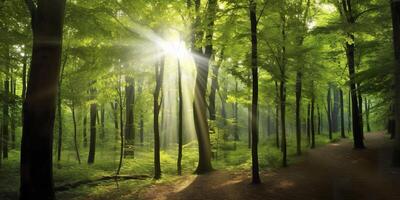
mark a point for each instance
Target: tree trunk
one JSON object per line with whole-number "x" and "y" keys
{"x": 6, "y": 105}
{"x": 236, "y": 113}
{"x": 202, "y": 66}
{"x": 312, "y": 117}
{"x": 59, "y": 111}
{"x": 180, "y": 120}
{"x": 214, "y": 87}
{"x": 335, "y": 110}
{"x": 129, "y": 95}
{"x": 367, "y": 111}
{"x": 341, "y": 114}
{"x": 12, "y": 115}
{"x": 75, "y": 132}
{"x": 114, "y": 107}
{"x": 40, "y": 102}
{"x": 349, "y": 115}
{"x": 309, "y": 124}
{"x": 395, "y": 6}
{"x": 84, "y": 130}
{"x": 360, "y": 108}
{"x": 102, "y": 121}
{"x": 277, "y": 99}
{"x": 159, "y": 73}
{"x": 298, "y": 105}
{"x": 92, "y": 141}
{"x": 254, "y": 110}
{"x": 329, "y": 113}
{"x": 319, "y": 120}
{"x": 121, "y": 125}
{"x": 141, "y": 116}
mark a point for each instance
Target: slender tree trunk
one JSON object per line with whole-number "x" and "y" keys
{"x": 349, "y": 120}
{"x": 277, "y": 99}
{"x": 114, "y": 107}
{"x": 92, "y": 141}
{"x": 59, "y": 111}
{"x": 6, "y": 105}
{"x": 298, "y": 105}
{"x": 141, "y": 116}
{"x": 309, "y": 125}
{"x": 159, "y": 73}
{"x": 121, "y": 122}
{"x": 342, "y": 114}
{"x": 236, "y": 114}
{"x": 335, "y": 110}
{"x": 329, "y": 113}
{"x": 319, "y": 120}
{"x": 75, "y": 132}
{"x": 85, "y": 141}
{"x": 102, "y": 122}
{"x": 129, "y": 95}
{"x": 360, "y": 108}
{"x": 312, "y": 116}
{"x": 254, "y": 110}
{"x": 12, "y": 115}
{"x": 39, "y": 106}
{"x": 367, "y": 111}
{"x": 180, "y": 120}
{"x": 214, "y": 87}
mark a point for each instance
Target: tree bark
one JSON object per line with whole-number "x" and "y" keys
{"x": 180, "y": 120}
{"x": 329, "y": 112}
{"x": 202, "y": 66}
{"x": 6, "y": 105}
{"x": 367, "y": 112}
{"x": 85, "y": 129}
{"x": 59, "y": 111}
{"x": 341, "y": 114}
{"x": 129, "y": 116}
{"x": 92, "y": 141}
{"x": 75, "y": 132}
{"x": 40, "y": 103}
{"x": 159, "y": 73}
{"x": 277, "y": 100}
{"x": 312, "y": 117}
{"x": 298, "y": 108}
{"x": 309, "y": 124}
{"x": 254, "y": 107}
{"x": 395, "y": 7}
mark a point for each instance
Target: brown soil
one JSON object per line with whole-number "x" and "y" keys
{"x": 335, "y": 171}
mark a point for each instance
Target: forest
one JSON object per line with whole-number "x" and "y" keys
{"x": 199, "y": 99}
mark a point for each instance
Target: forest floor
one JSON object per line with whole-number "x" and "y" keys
{"x": 334, "y": 171}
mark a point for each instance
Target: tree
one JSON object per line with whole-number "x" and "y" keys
{"x": 159, "y": 74}
{"x": 39, "y": 107}
{"x": 254, "y": 104}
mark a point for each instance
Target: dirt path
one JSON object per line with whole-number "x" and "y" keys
{"x": 335, "y": 171}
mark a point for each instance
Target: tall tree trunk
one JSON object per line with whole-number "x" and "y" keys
{"x": 114, "y": 107}
{"x": 121, "y": 122}
{"x": 202, "y": 66}
{"x": 342, "y": 114}
{"x": 254, "y": 110}
{"x": 312, "y": 116}
{"x": 309, "y": 125}
{"x": 236, "y": 113}
{"x": 40, "y": 103}
{"x": 277, "y": 100}
{"x": 141, "y": 116}
{"x": 6, "y": 105}
{"x": 12, "y": 115}
{"x": 395, "y": 6}
{"x": 214, "y": 87}
{"x": 319, "y": 120}
{"x": 102, "y": 121}
{"x": 367, "y": 112}
{"x": 360, "y": 108}
{"x": 85, "y": 141}
{"x": 282, "y": 94}
{"x": 298, "y": 117}
{"x": 159, "y": 73}
{"x": 180, "y": 120}
{"x": 59, "y": 111}
{"x": 349, "y": 120}
{"x": 335, "y": 110}
{"x": 92, "y": 141}
{"x": 129, "y": 95}
{"x": 329, "y": 112}
{"x": 75, "y": 132}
